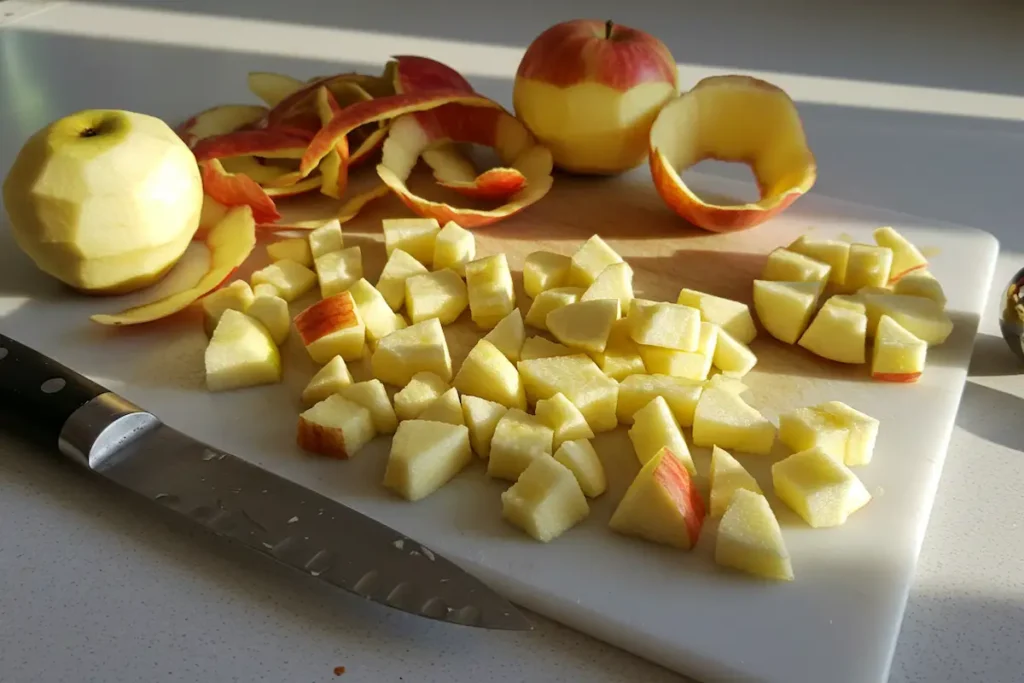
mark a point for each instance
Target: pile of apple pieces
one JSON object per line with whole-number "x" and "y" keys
{"x": 880, "y": 291}
{"x": 650, "y": 369}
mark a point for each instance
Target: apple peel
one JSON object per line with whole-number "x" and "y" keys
{"x": 411, "y": 136}
{"x": 219, "y": 120}
{"x": 455, "y": 172}
{"x": 237, "y": 189}
{"x": 735, "y": 119}
{"x": 271, "y": 87}
{"x": 230, "y": 242}
{"x": 334, "y": 166}
{"x": 269, "y": 143}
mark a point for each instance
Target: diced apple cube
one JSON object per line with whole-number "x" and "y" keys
{"x": 330, "y": 379}
{"x": 869, "y": 266}
{"x": 614, "y": 282}
{"x": 898, "y": 355}
{"x": 921, "y": 283}
{"x": 272, "y": 313}
{"x": 422, "y": 390}
{"x": 565, "y": 420}
{"x": 491, "y": 292}
{"x": 669, "y": 326}
{"x": 374, "y": 397}
{"x": 414, "y": 236}
{"x": 732, "y": 357}
{"x": 837, "y": 333}
{"x": 732, "y": 316}
{"x": 374, "y": 311}
{"x": 294, "y": 249}
{"x": 539, "y": 347}
{"x": 481, "y": 416}
{"x": 338, "y": 270}
{"x": 727, "y": 477}
{"x": 544, "y": 270}
{"x": 836, "y": 253}
{"x": 863, "y": 431}
{"x": 508, "y": 335}
{"x": 922, "y": 317}
{"x": 727, "y": 383}
{"x": 788, "y": 266}
{"x": 590, "y": 260}
{"x": 806, "y": 428}
{"x": 264, "y": 289}
{"x": 425, "y": 456}
{"x": 621, "y": 356}
{"x": 662, "y": 505}
{"x": 326, "y": 238}
{"x": 454, "y": 247}
{"x": 681, "y": 394}
{"x": 548, "y": 301}
{"x": 332, "y": 327}
{"x": 417, "y": 348}
{"x": 441, "y": 295}
{"x": 905, "y": 256}
{"x": 397, "y": 270}
{"x": 750, "y": 540}
{"x": 580, "y": 380}
{"x": 336, "y": 427}
{"x": 291, "y": 279}
{"x": 819, "y": 488}
{"x": 688, "y": 364}
{"x": 546, "y": 501}
{"x": 654, "y": 428}
{"x": 518, "y": 440}
{"x": 446, "y": 408}
{"x": 237, "y": 296}
{"x": 487, "y": 373}
{"x": 725, "y": 420}
{"x": 240, "y": 354}
{"x": 584, "y": 325}
{"x": 785, "y": 308}
{"x": 581, "y": 459}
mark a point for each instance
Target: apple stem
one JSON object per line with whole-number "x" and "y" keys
{"x": 90, "y": 132}
{"x": 608, "y": 26}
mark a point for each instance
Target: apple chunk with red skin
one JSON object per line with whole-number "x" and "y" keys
{"x": 736, "y": 119}
{"x": 590, "y": 90}
{"x": 332, "y": 327}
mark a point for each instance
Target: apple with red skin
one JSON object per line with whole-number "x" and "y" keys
{"x": 590, "y": 90}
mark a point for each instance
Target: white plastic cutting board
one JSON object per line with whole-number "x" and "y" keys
{"x": 837, "y": 623}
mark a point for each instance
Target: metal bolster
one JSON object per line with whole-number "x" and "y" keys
{"x": 99, "y": 430}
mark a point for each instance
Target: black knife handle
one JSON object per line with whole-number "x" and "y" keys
{"x": 38, "y": 394}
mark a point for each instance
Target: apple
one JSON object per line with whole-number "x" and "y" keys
{"x": 240, "y": 354}
{"x": 237, "y": 296}
{"x": 654, "y": 428}
{"x": 336, "y": 427}
{"x": 330, "y": 379}
{"x": 326, "y": 239}
{"x": 565, "y": 420}
{"x": 732, "y": 316}
{"x": 662, "y": 505}
{"x": 785, "y": 308}
{"x": 481, "y": 416}
{"x": 290, "y": 278}
{"x": 337, "y": 271}
{"x": 441, "y": 295}
{"x": 229, "y": 243}
{"x": 508, "y": 335}
{"x": 374, "y": 310}
{"x": 921, "y": 283}
{"x": 869, "y": 266}
{"x": 332, "y": 327}
{"x": 835, "y": 253}
{"x": 518, "y": 440}
{"x": 415, "y": 236}
{"x": 582, "y": 382}
{"x": 731, "y": 356}
{"x": 838, "y": 333}
{"x": 722, "y": 418}
{"x": 789, "y": 266}
{"x": 487, "y": 373}
{"x": 726, "y": 478}
{"x": 272, "y": 312}
{"x": 614, "y": 282}
{"x": 636, "y": 391}
{"x": 454, "y": 247}
{"x": 806, "y": 428}
{"x": 400, "y": 266}
{"x": 374, "y": 397}
{"x": 862, "y": 428}
{"x": 581, "y": 459}
{"x": 665, "y": 325}
{"x": 584, "y": 325}
{"x": 294, "y": 249}
{"x": 423, "y": 389}
{"x": 417, "y": 348}
{"x": 544, "y": 270}
{"x": 621, "y": 356}
{"x": 546, "y": 500}
{"x": 589, "y": 261}
{"x": 492, "y": 295}
{"x": 694, "y": 364}
{"x": 105, "y": 201}
{"x": 898, "y": 355}
{"x": 737, "y": 119}
{"x": 819, "y": 488}
{"x": 923, "y": 318}
{"x": 590, "y": 90}
{"x": 425, "y": 456}
{"x": 749, "y": 538}
{"x": 548, "y": 301}
{"x": 905, "y": 256}
{"x": 446, "y": 408}
{"x": 539, "y": 347}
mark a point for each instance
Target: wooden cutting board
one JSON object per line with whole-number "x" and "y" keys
{"x": 837, "y": 622}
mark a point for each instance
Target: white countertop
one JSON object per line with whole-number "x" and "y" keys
{"x": 919, "y": 111}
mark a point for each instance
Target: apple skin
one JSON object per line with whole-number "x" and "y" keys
{"x": 590, "y": 90}
{"x": 104, "y": 200}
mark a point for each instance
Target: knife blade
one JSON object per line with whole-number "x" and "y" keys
{"x": 235, "y": 499}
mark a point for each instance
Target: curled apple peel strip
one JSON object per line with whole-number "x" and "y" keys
{"x": 237, "y": 189}
{"x": 412, "y": 136}
{"x": 737, "y": 119}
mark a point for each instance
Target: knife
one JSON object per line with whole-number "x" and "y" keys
{"x": 323, "y": 538}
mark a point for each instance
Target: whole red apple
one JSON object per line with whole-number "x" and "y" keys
{"x": 589, "y": 90}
